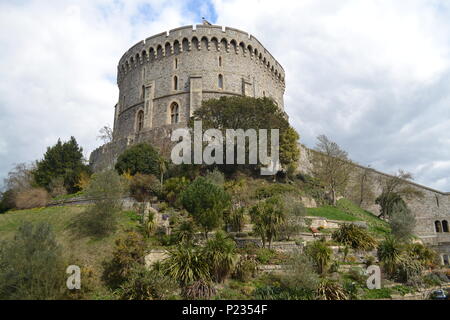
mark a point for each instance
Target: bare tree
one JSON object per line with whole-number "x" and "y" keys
{"x": 361, "y": 187}
{"x": 331, "y": 166}
{"x": 20, "y": 177}
{"x": 394, "y": 189}
{"x": 105, "y": 134}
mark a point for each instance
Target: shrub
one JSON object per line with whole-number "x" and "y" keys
{"x": 99, "y": 220}
{"x": 355, "y": 237}
{"x": 31, "y": 265}
{"x": 184, "y": 230}
{"x": 294, "y": 213}
{"x": 7, "y": 201}
{"x": 215, "y": 177}
{"x": 330, "y": 290}
{"x": 199, "y": 289}
{"x": 144, "y": 186}
{"x": 220, "y": 254}
{"x": 402, "y": 221}
{"x": 31, "y": 198}
{"x": 145, "y": 284}
{"x": 264, "y": 255}
{"x": 235, "y": 219}
{"x": 245, "y": 269}
{"x": 57, "y": 187}
{"x": 140, "y": 158}
{"x": 320, "y": 254}
{"x": 186, "y": 264}
{"x": 206, "y": 203}
{"x": 300, "y": 275}
{"x": 129, "y": 250}
{"x": 274, "y": 189}
{"x": 389, "y": 254}
{"x": 173, "y": 188}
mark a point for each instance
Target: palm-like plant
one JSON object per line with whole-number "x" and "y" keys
{"x": 184, "y": 231}
{"x": 186, "y": 264}
{"x": 267, "y": 216}
{"x": 320, "y": 254}
{"x": 331, "y": 290}
{"x": 389, "y": 254}
{"x": 220, "y": 252}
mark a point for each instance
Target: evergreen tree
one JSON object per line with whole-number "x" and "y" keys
{"x": 65, "y": 159}
{"x": 140, "y": 158}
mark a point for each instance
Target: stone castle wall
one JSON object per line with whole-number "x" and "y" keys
{"x": 433, "y": 206}
{"x": 194, "y": 59}
{"x": 196, "y": 56}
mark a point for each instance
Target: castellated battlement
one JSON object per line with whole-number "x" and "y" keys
{"x": 163, "y": 79}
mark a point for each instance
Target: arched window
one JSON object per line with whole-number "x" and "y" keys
{"x": 174, "y": 113}
{"x": 220, "y": 81}
{"x": 444, "y": 226}
{"x": 140, "y": 121}
{"x": 175, "y": 83}
{"x": 220, "y": 61}
{"x": 438, "y": 226}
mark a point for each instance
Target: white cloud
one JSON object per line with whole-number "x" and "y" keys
{"x": 372, "y": 75}
{"x": 59, "y": 62}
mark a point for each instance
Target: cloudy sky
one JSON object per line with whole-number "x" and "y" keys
{"x": 372, "y": 75}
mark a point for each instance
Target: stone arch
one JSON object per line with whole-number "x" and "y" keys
{"x": 224, "y": 44}
{"x": 131, "y": 62}
{"x": 444, "y": 226}
{"x": 174, "y": 112}
{"x": 215, "y": 43}
{"x": 250, "y": 50}
{"x": 242, "y": 48}
{"x": 195, "y": 43}
{"x": 151, "y": 54}
{"x": 204, "y": 43}
{"x": 139, "y": 122}
{"x": 144, "y": 56}
{"x": 138, "y": 58}
{"x": 233, "y": 46}
{"x": 159, "y": 52}
{"x": 437, "y": 226}
{"x": 176, "y": 47}
{"x": 167, "y": 49}
{"x": 185, "y": 44}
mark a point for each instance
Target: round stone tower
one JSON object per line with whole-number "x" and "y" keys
{"x": 163, "y": 79}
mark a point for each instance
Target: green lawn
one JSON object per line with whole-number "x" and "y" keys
{"x": 348, "y": 211}
{"x": 331, "y": 213}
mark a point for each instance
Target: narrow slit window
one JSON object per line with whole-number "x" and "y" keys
{"x": 174, "y": 113}
{"x": 220, "y": 81}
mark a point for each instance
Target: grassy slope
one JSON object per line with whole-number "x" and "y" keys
{"x": 86, "y": 252}
{"x": 347, "y": 211}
